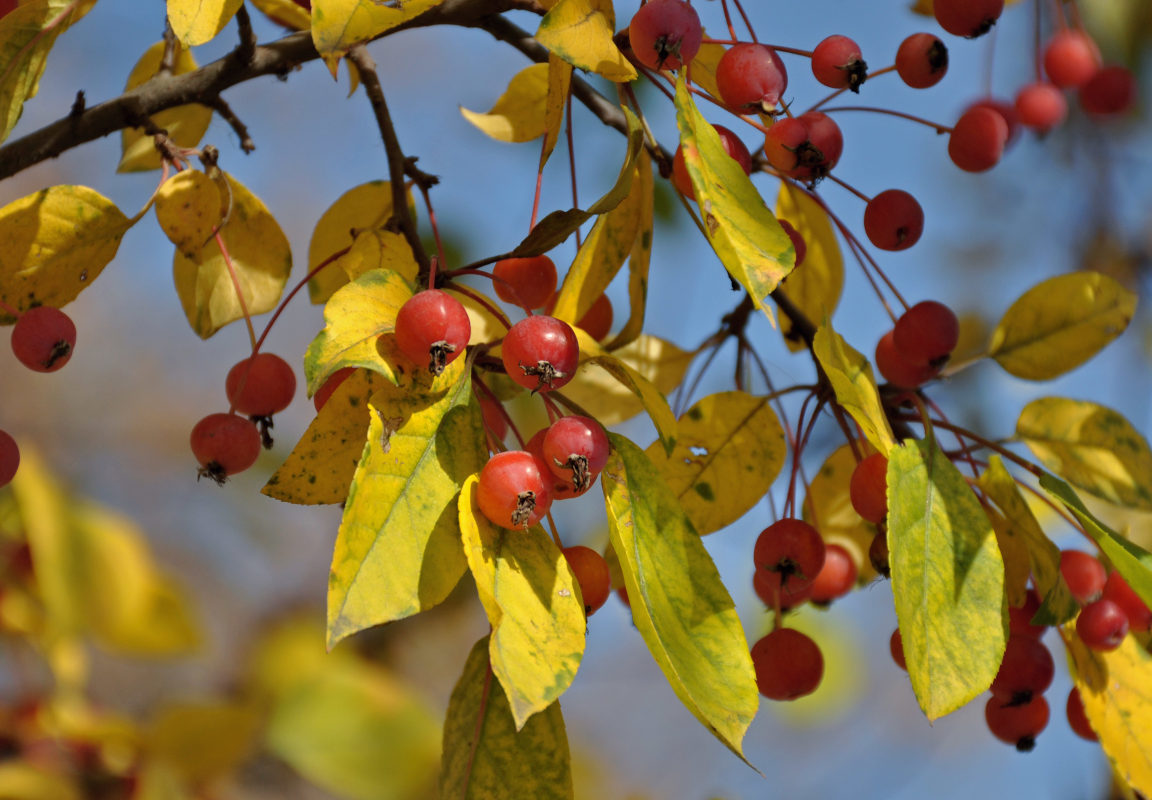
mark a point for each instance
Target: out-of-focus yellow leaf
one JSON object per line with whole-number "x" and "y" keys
{"x": 54, "y": 244}
{"x": 203, "y": 741}
{"x": 599, "y": 392}
{"x": 729, "y": 449}
{"x": 485, "y": 326}
{"x": 486, "y": 757}
{"x": 702, "y": 69}
{"x": 198, "y": 21}
{"x": 855, "y": 388}
{"x": 815, "y": 286}
{"x": 741, "y": 229}
{"x": 1092, "y": 446}
{"x": 21, "y": 780}
{"x": 580, "y": 32}
{"x": 1116, "y": 688}
{"x": 185, "y": 124}
{"x": 398, "y": 551}
{"x": 340, "y": 25}
{"x": 922, "y": 7}
{"x": 288, "y": 13}
{"x": 639, "y": 259}
{"x": 1060, "y": 323}
{"x": 532, "y": 603}
{"x": 261, "y": 259}
{"x": 354, "y": 319}
{"x": 320, "y": 468}
{"x": 679, "y": 604}
{"x": 559, "y": 86}
{"x": 158, "y": 780}
{"x": 828, "y": 507}
{"x": 947, "y": 579}
{"x": 519, "y": 114}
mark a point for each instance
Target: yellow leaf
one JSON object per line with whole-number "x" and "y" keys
{"x": 815, "y": 286}
{"x": 340, "y": 25}
{"x": 559, "y": 86}
{"x": 320, "y": 468}
{"x": 260, "y": 256}
{"x": 486, "y": 757}
{"x": 203, "y": 741}
{"x": 398, "y": 551}
{"x": 532, "y": 604}
{"x": 580, "y": 32}
{"x": 288, "y": 13}
{"x": 1059, "y": 324}
{"x": 486, "y": 327}
{"x": 189, "y": 209}
{"x": 741, "y": 229}
{"x": 947, "y": 579}
{"x": 703, "y": 67}
{"x": 355, "y": 317}
{"x": 1092, "y": 446}
{"x": 21, "y": 780}
{"x": 1116, "y": 688}
{"x": 679, "y": 605}
{"x": 639, "y": 259}
{"x": 54, "y": 244}
{"x": 157, "y": 780}
{"x": 186, "y": 125}
{"x": 198, "y": 21}
{"x": 601, "y": 394}
{"x": 828, "y": 507}
{"x": 729, "y": 449}
{"x": 855, "y": 388}
{"x": 519, "y": 114}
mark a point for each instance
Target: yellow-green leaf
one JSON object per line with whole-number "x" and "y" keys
{"x": 679, "y": 604}
{"x": 741, "y": 229}
{"x": 54, "y": 244}
{"x": 815, "y": 286}
{"x": 639, "y": 259}
{"x": 354, "y": 319}
{"x": 855, "y": 388}
{"x": 828, "y": 507}
{"x": 559, "y": 87}
{"x": 947, "y": 579}
{"x": 288, "y": 13}
{"x": 203, "y": 741}
{"x": 340, "y": 25}
{"x": 580, "y": 32}
{"x": 600, "y": 393}
{"x": 198, "y": 21}
{"x": 532, "y": 604}
{"x": 1092, "y": 446}
{"x": 486, "y": 757}
{"x": 1060, "y": 323}
{"x": 185, "y": 124}
{"x": 321, "y": 466}
{"x": 190, "y": 208}
{"x": 398, "y": 551}
{"x": 260, "y": 256}
{"x": 519, "y": 114}
{"x": 729, "y": 449}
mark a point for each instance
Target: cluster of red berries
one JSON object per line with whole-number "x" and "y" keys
{"x": 919, "y": 345}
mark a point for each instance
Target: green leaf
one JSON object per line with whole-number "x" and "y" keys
{"x": 340, "y": 25}
{"x": 855, "y": 388}
{"x": 185, "y": 125}
{"x": 1093, "y": 447}
{"x": 532, "y": 604}
{"x": 1060, "y": 323}
{"x": 486, "y": 757}
{"x": 729, "y": 449}
{"x": 947, "y": 579}
{"x": 580, "y": 32}
{"x": 741, "y": 229}
{"x": 398, "y": 551}
{"x": 519, "y": 113}
{"x": 198, "y": 21}
{"x": 679, "y": 604}
{"x": 815, "y": 286}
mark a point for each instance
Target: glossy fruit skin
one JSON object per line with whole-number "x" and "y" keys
{"x": 836, "y": 578}
{"x": 1102, "y": 625}
{"x": 541, "y": 353}
{"x": 513, "y": 491}
{"x": 838, "y": 64}
{"x": 1071, "y": 58}
{"x": 788, "y": 665}
{"x": 1112, "y": 90}
{"x": 432, "y": 329}
{"x": 751, "y": 78}
{"x": 1017, "y": 725}
{"x": 893, "y": 220}
{"x": 922, "y": 60}
{"x": 791, "y": 552}
{"x": 978, "y": 139}
{"x": 1020, "y": 618}
{"x": 968, "y": 18}
{"x": 1026, "y": 670}
{"x": 733, "y": 146}
{"x": 868, "y": 488}
{"x": 526, "y": 282}
{"x": 896, "y": 648}
{"x": 1077, "y": 719}
{"x": 665, "y": 34}
{"x": 1084, "y": 574}
{"x": 330, "y": 386}
{"x": 576, "y": 449}
{"x": 798, "y": 243}
{"x": 261, "y": 385}
{"x": 926, "y": 334}
{"x": 591, "y": 571}
{"x": 1041, "y": 106}
{"x": 806, "y": 147}
{"x": 44, "y": 338}
{"x": 224, "y": 444}
{"x": 1119, "y": 592}
{"x": 9, "y": 458}
{"x": 895, "y": 369}
{"x": 767, "y": 587}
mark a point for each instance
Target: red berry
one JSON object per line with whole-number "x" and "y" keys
{"x": 791, "y": 552}
{"x": 788, "y": 665}
{"x": 767, "y": 587}
{"x": 1041, "y": 106}
{"x": 597, "y": 320}
{"x": 868, "y": 488}
{"x": 798, "y": 243}
{"x": 540, "y": 353}
{"x": 1077, "y": 719}
{"x": 591, "y": 572}
{"x": 751, "y": 78}
{"x": 926, "y": 334}
{"x": 893, "y": 220}
{"x": 1102, "y": 625}
{"x": 1084, "y": 575}
{"x": 432, "y": 328}
{"x": 922, "y": 60}
{"x": 576, "y": 449}
{"x": 527, "y": 282}
{"x": 9, "y": 458}
{"x": 824, "y": 135}
{"x": 224, "y": 444}
{"x": 807, "y": 147}
{"x": 896, "y": 369}
{"x": 1119, "y": 592}
{"x": 665, "y": 34}
{"x": 896, "y": 648}
{"x": 1026, "y": 670}
{"x": 43, "y": 338}
{"x": 494, "y": 420}
{"x": 261, "y": 385}
{"x": 1017, "y": 724}
{"x": 1071, "y": 58}
{"x": 732, "y": 146}
{"x": 837, "y": 63}
{"x": 1112, "y": 90}
{"x": 837, "y": 577}
{"x": 513, "y": 491}
{"x": 1020, "y": 619}
{"x": 1005, "y": 109}
{"x": 561, "y": 489}
{"x": 978, "y": 139}
{"x": 331, "y": 385}
{"x": 970, "y": 18}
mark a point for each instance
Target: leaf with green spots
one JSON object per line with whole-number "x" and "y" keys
{"x": 1092, "y": 446}
{"x": 947, "y": 579}
{"x": 320, "y": 468}
{"x": 815, "y": 287}
{"x": 398, "y": 551}
{"x": 528, "y": 593}
{"x": 729, "y": 449}
{"x": 679, "y": 604}
{"x": 740, "y": 227}
{"x": 486, "y": 757}
{"x": 855, "y": 388}
{"x": 580, "y": 32}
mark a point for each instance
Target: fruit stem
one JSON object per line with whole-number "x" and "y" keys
{"x": 9, "y": 309}
{"x": 940, "y": 129}
{"x": 539, "y": 187}
{"x": 986, "y": 443}
{"x": 965, "y": 454}
{"x": 236, "y": 285}
{"x": 572, "y": 162}
{"x": 555, "y": 535}
{"x": 849, "y": 187}
{"x": 839, "y": 92}
{"x": 483, "y": 301}
{"x": 301, "y": 284}
{"x": 478, "y": 383}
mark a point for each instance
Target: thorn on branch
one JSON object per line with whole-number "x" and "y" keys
{"x": 221, "y": 107}
{"x": 78, "y": 105}
{"x": 171, "y": 48}
{"x": 421, "y": 178}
